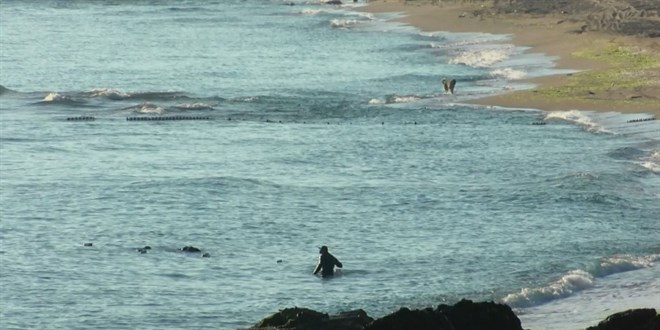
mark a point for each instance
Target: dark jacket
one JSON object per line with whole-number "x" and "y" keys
{"x": 327, "y": 263}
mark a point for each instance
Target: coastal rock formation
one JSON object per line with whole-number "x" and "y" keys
{"x": 633, "y": 319}
{"x": 630, "y": 17}
{"x": 464, "y": 315}
{"x": 477, "y": 316}
{"x": 307, "y": 319}
{"x": 405, "y": 318}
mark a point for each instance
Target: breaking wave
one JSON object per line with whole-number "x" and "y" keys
{"x": 194, "y": 106}
{"x": 578, "y": 117}
{"x": 343, "y": 23}
{"x": 482, "y": 57}
{"x": 509, "y": 73}
{"x": 146, "y": 108}
{"x": 651, "y": 162}
{"x": 577, "y": 280}
{"x": 115, "y": 94}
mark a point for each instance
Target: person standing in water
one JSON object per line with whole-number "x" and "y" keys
{"x": 327, "y": 263}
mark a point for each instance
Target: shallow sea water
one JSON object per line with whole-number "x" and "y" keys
{"x": 321, "y": 126}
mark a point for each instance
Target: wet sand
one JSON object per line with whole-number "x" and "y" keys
{"x": 616, "y": 72}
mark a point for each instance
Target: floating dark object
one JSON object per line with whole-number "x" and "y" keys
{"x": 641, "y": 119}
{"x": 87, "y": 244}
{"x": 162, "y": 118}
{"x": 190, "y": 249}
{"x": 81, "y": 118}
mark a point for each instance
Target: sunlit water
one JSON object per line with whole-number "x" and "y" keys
{"x": 317, "y": 125}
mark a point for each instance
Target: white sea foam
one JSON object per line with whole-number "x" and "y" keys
{"x": 577, "y": 280}
{"x": 618, "y": 292}
{"x": 55, "y": 97}
{"x": 624, "y": 263}
{"x": 343, "y": 23}
{"x": 578, "y": 117}
{"x": 194, "y": 106}
{"x": 377, "y": 101}
{"x": 509, "y": 73}
{"x": 309, "y": 11}
{"x": 402, "y": 99}
{"x": 148, "y": 108}
{"x": 651, "y": 162}
{"x": 111, "y": 93}
{"x": 482, "y": 57}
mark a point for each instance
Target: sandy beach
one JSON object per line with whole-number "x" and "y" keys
{"x": 615, "y": 71}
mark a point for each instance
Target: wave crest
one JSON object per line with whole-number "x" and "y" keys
{"x": 578, "y": 279}
{"x": 4, "y": 90}
{"x": 651, "y": 162}
{"x": 110, "y": 93}
{"x": 56, "y": 97}
{"x": 574, "y": 281}
{"x": 194, "y": 106}
{"x": 578, "y": 117}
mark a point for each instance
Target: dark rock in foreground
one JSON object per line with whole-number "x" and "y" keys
{"x": 303, "y": 318}
{"x": 464, "y": 315}
{"x": 633, "y": 319}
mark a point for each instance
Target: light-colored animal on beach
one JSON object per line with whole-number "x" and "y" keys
{"x": 449, "y": 85}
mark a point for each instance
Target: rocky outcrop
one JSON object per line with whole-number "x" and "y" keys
{"x": 477, "y": 316}
{"x": 405, "y": 318}
{"x": 628, "y": 17}
{"x": 464, "y": 315}
{"x": 633, "y": 319}
{"x": 307, "y": 319}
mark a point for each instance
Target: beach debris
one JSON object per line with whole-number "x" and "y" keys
{"x": 449, "y": 85}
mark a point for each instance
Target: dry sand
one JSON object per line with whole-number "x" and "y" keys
{"x": 616, "y": 72}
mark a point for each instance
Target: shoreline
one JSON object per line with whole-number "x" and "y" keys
{"x": 613, "y": 72}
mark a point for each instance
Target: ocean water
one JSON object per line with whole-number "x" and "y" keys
{"x": 313, "y": 125}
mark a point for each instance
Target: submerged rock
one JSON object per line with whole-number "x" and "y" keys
{"x": 190, "y": 249}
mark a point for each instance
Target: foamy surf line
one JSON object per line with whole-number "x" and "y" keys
{"x": 617, "y": 292}
{"x": 577, "y": 280}
{"x": 639, "y": 125}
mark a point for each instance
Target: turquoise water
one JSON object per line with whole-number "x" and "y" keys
{"x": 325, "y": 127}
